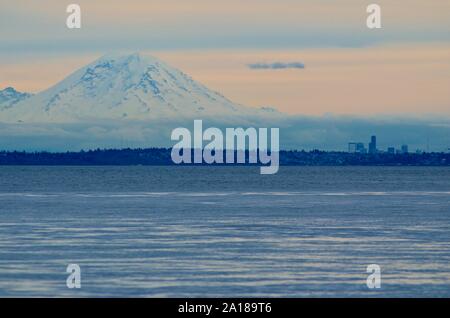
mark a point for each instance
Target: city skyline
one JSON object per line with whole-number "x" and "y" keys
{"x": 359, "y": 147}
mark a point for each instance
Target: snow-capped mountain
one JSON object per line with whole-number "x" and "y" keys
{"x": 9, "y": 97}
{"x": 124, "y": 87}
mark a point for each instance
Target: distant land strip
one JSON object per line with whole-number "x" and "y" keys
{"x": 161, "y": 157}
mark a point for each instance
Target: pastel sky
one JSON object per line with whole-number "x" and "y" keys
{"x": 404, "y": 68}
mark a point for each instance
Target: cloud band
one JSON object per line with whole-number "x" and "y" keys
{"x": 276, "y": 66}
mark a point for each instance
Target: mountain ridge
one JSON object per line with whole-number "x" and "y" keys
{"x": 10, "y": 96}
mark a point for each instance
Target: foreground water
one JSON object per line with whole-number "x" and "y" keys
{"x": 224, "y": 231}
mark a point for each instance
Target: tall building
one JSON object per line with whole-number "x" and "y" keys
{"x": 352, "y": 147}
{"x": 405, "y": 149}
{"x": 356, "y": 147}
{"x": 373, "y": 145}
{"x": 360, "y": 148}
{"x": 391, "y": 150}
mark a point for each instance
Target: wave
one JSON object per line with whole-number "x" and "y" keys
{"x": 221, "y": 194}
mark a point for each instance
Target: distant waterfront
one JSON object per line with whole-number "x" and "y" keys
{"x": 161, "y": 157}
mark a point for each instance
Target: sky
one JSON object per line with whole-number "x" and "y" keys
{"x": 403, "y": 68}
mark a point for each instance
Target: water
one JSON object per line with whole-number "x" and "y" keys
{"x": 225, "y": 231}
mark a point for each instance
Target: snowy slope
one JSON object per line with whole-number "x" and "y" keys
{"x": 125, "y": 87}
{"x": 10, "y": 97}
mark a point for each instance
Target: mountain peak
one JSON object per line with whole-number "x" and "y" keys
{"x": 10, "y": 96}
{"x": 126, "y": 86}
{"x": 8, "y": 90}
{"x": 127, "y": 58}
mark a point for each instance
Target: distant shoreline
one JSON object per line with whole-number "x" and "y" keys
{"x": 161, "y": 157}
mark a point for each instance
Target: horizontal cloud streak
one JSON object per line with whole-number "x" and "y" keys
{"x": 276, "y": 66}
{"x": 296, "y": 132}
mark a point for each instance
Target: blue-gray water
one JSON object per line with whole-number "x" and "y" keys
{"x": 224, "y": 231}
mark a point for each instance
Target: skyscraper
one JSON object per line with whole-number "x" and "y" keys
{"x": 373, "y": 145}
{"x": 356, "y": 147}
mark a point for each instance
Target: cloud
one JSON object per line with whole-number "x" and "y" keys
{"x": 296, "y": 132}
{"x": 276, "y": 66}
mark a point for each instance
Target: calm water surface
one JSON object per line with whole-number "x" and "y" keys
{"x": 224, "y": 231}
